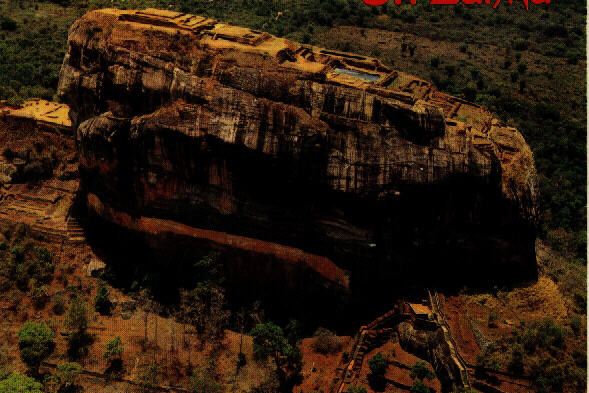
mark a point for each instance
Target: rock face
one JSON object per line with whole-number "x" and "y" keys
{"x": 209, "y": 127}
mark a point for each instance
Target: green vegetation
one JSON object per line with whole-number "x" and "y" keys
{"x": 421, "y": 371}
{"x": 102, "y": 301}
{"x": 377, "y": 364}
{"x": 492, "y": 322}
{"x": 325, "y": 341}
{"x": 58, "y": 304}
{"x": 270, "y": 341}
{"x": 419, "y": 387}
{"x": 378, "y": 367}
{"x": 114, "y": 351}
{"x": 28, "y": 265}
{"x": 67, "y": 375}
{"x": 76, "y": 321}
{"x": 293, "y": 331}
{"x": 541, "y": 351}
{"x": 20, "y": 384}
{"x": 356, "y": 389}
{"x": 203, "y": 379}
{"x": 485, "y": 361}
{"x": 35, "y": 341}
{"x": 148, "y": 376}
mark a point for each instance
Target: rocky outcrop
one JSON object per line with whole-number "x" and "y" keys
{"x": 429, "y": 344}
{"x": 226, "y": 129}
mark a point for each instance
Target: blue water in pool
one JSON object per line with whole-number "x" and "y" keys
{"x": 358, "y": 74}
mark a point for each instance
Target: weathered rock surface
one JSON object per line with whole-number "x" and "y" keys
{"x": 429, "y": 344}
{"x": 226, "y": 129}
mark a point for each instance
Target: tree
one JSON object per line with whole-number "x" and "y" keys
{"x": 293, "y": 331}
{"x": 20, "y": 384}
{"x": 8, "y": 24}
{"x": 516, "y": 363}
{"x": 148, "y": 376}
{"x": 67, "y": 373}
{"x": 113, "y": 352}
{"x": 186, "y": 315}
{"x": 421, "y": 371}
{"x": 378, "y": 365}
{"x": 102, "y": 301}
{"x": 145, "y": 302}
{"x": 210, "y": 316}
{"x": 76, "y": 321}
{"x": 35, "y": 341}
{"x": 269, "y": 340}
{"x": 203, "y": 379}
{"x": 419, "y": 387}
{"x": 325, "y": 341}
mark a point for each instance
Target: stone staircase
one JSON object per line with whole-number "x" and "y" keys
{"x": 49, "y": 232}
{"x": 75, "y": 231}
{"x": 373, "y": 335}
{"x": 454, "y": 353}
{"x": 26, "y": 206}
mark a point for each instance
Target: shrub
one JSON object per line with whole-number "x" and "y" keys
{"x": 520, "y": 44}
{"x": 67, "y": 373}
{"x": 522, "y": 67}
{"x": 419, "y": 387}
{"x": 356, "y": 389}
{"x": 550, "y": 334}
{"x": 102, "y": 301}
{"x": 241, "y": 361}
{"x": 516, "y": 361}
{"x": 7, "y": 23}
{"x": 269, "y": 340}
{"x": 450, "y": 69}
{"x": 292, "y": 330}
{"x": 484, "y": 362}
{"x": 203, "y": 379}
{"x": 39, "y": 295}
{"x": 35, "y": 341}
{"x": 325, "y": 341}
{"x": 572, "y": 57}
{"x": 378, "y": 365}
{"x": 58, "y": 304}
{"x": 576, "y": 324}
{"x": 346, "y": 356}
{"x": 469, "y": 93}
{"x": 20, "y": 384}
{"x": 113, "y": 350}
{"x": 421, "y": 371}
{"x": 148, "y": 375}
{"x": 77, "y": 323}
{"x": 492, "y": 320}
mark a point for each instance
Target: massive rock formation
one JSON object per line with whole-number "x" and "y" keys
{"x": 189, "y": 126}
